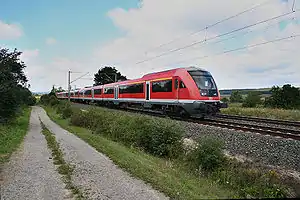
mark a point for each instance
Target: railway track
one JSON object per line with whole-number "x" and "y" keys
{"x": 218, "y": 122}
{"x": 265, "y": 130}
{"x": 258, "y": 119}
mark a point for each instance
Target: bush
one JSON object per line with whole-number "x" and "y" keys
{"x": 252, "y": 100}
{"x": 45, "y": 99}
{"x": 225, "y": 100}
{"x": 208, "y": 155}
{"x": 236, "y": 97}
{"x": 160, "y": 137}
{"x": 53, "y": 101}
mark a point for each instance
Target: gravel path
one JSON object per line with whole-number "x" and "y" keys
{"x": 30, "y": 173}
{"x": 264, "y": 149}
{"x": 94, "y": 173}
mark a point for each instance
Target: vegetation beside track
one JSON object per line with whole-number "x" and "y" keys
{"x": 271, "y": 113}
{"x": 136, "y": 143}
{"x": 284, "y": 103}
{"x": 12, "y": 134}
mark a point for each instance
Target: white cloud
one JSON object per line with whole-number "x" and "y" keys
{"x": 9, "y": 31}
{"x": 158, "y": 22}
{"x": 51, "y": 41}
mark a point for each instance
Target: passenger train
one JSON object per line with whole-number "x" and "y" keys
{"x": 187, "y": 91}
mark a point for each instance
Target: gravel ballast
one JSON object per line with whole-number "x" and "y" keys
{"x": 94, "y": 173}
{"x": 30, "y": 173}
{"x": 264, "y": 149}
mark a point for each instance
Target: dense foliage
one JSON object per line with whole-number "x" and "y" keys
{"x": 236, "y": 97}
{"x": 287, "y": 97}
{"x": 107, "y": 75}
{"x": 13, "y": 90}
{"x": 252, "y": 99}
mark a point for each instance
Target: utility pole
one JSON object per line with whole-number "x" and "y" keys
{"x": 69, "y": 82}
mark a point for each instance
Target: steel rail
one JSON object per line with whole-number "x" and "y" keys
{"x": 259, "y": 119}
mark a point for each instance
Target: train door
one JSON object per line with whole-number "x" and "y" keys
{"x": 147, "y": 90}
{"x": 92, "y": 94}
{"x": 176, "y": 88}
{"x": 116, "y": 92}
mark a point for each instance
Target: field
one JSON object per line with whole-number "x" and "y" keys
{"x": 272, "y": 113}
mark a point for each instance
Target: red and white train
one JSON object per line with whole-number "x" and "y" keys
{"x": 183, "y": 91}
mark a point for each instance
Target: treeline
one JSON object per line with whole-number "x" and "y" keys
{"x": 286, "y": 97}
{"x": 13, "y": 85}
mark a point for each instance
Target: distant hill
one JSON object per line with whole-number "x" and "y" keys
{"x": 264, "y": 91}
{"x": 39, "y": 93}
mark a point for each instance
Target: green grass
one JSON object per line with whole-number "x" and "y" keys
{"x": 167, "y": 176}
{"x": 12, "y": 134}
{"x": 64, "y": 168}
{"x": 272, "y": 113}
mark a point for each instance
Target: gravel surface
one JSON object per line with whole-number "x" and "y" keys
{"x": 94, "y": 173}
{"x": 30, "y": 173}
{"x": 259, "y": 148}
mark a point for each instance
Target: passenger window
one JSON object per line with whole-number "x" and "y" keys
{"x": 162, "y": 86}
{"x": 181, "y": 85}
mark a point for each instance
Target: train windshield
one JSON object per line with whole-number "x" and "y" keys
{"x": 205, "y": 83}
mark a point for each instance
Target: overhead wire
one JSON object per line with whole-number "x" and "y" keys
{"x": 212, "y": 25}
{"x": 244, "y": 33}
{"x": 241, "y": 48}
{"x": 220, "y": 35}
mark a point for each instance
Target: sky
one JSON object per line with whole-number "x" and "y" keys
{"x": 144, "y": 36}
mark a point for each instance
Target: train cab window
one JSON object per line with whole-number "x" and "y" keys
{"x": 88, "y": 92}
{"x": 181, "y": 85}
{"x": 97, "y": 91}
{"x": 108, "y": 90}
{"x": 162, "y": 86}
{"x": 176, "y": 84}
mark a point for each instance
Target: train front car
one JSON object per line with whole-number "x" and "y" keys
{"x": 204, "y": 92}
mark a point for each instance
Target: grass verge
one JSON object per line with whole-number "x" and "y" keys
{"x": 12, "y": 134}
{"x": 165, "y": 175}
{"x": 63, "y": 168}
{"x": 271, "y": 113}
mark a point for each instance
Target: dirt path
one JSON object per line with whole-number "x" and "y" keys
{"x": 31, "y": 174}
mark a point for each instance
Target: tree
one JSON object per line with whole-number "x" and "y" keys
{"x": 236, "y": 97}
{"x": 252, "y": 99}
{"x": 55, "y": 90}
{"x": 287, "y": 97}
{"x": 107, "y": 75}
{"x": 13, "y": 81}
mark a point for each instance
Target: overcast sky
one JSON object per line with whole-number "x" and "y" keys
{"x": 82, "y": 36}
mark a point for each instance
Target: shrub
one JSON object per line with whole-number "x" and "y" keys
{"x": 252, "y": 99}
{"x": 225, "y": 100}
{"x": 208, "y": 155}
{"x": 160, "y": 137}
{"x": 45, "y": 99}
{"x": 67, "y": 112}
{"x": 236, "y": 97}
{"x": 53, "y": 100}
